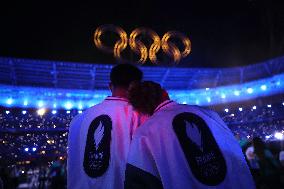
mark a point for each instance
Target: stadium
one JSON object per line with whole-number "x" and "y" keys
{"x": 36, "y": 109}
{"x": 223, "y": 62}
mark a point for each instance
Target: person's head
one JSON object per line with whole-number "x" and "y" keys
{"x": 121, "y": 77}
{"x": 146, "y": 96}
{"x": 258, "y": 145}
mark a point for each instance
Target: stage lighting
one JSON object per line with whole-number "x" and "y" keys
{"x": 278, "y": 135}
{"x": 223, "y": 96}
{"x": 26, "y": 149}
{"x": 283, "y": 103}
{"x": 34, "y": 149}
{"x": 54, "y": 105}
{"x": 278, "y": 83}
{"x": 250, "y": 90}
{"x": 254, "y": 107}
{"x": 207, "y": 89}
{"x": 24, "y": 112}
{"x": 240, "y": 109}
{"x": 68, "y": 105}
{"x": 54, "y": 112}
{"x": 80, "y": 111}
{"x": 7, "y": 111}
{"x": 227, "y": 110}
{"x": 68, "y": 112}
{"x": 263, "y": 87}
{"x": 80, "y": 106}
{"x": 237, "y": 93}
{"x": 9, "y": 101}
{"x": 41, "y": 111}
{"x": 269, "y": 105}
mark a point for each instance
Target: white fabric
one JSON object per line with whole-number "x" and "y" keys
{"x": 156, "y": 149}
{"x": 124, "y": 122}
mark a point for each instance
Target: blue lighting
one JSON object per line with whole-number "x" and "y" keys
{"x": 68, "y": 112}
{"x": 52, "y": 98}
{"x": 80, "y": 111}
{"x": 269, "y": 105}
{"x": 68, "y": 105}
{"x": 34, "y": 149}
{"x": 54, "y": 112}
{"x": 26, "y": 149}
{"x": 24, "y": 112}
{"x": 184, "y": 102}
{"x": 250, "y": 90}
{"x": 9, "y": 101}
{"x": 254, "y": 107}
{"x": 263, "y": 87}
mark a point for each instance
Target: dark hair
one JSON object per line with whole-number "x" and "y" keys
{"x": 145, "y": 96}
{"x": 123, "y": 74}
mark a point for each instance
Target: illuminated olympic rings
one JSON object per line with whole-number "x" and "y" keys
{"x": 139, "y": 48}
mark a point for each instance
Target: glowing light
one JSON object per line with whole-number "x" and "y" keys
{"x": 208, "y": 99}
{"x": 41, "y": 111}
{"x": 232, "y": 115}
{"x": 68, "y": 112}
{"x": 40, "y": 104}
{"x": 25, "y": 103}
{"x": 250, "y": 90}
{"x": 263, "y": 87}
{"x": 254, "y": 107}
{"x": 278, "y": 83}
{"x": 227, "y": 110}
{"x": 7, "y": 111}
{"x": 34, "y": 149}
{"x": 80, "y": 111}
{"x": 283, "y": 103}
{"x": 54, "y": 112}
{"x": 54, "y": 105}
{"x": 22, "y": 172}
{"x": 240, "y": 109}
{"x": 269, "y": 105}
{"x": 68, "y": 105}
{"x": 26, "y": 149}
{"x": 237, "y": 93}
{"x": 24, "y": 112}
{"x": 61, "y": 158}
{"x": 80, "y": 106}
{"x": 278, "y": 136}
{"x": 207, "y": 89}
{"x": 223, "y": 96}
{"x": 9, "y": 101}
{"x": 268, "y": 136}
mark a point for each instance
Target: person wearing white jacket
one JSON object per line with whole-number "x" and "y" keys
{"x": 182, "y": 146}
{"x": 99, "y": 138}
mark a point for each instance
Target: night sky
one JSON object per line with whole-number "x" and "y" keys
{"x": 223, "y": 34}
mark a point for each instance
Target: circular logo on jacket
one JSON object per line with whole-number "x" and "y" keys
{"x": 200, "y": 148}
{"x": 97, "y": 150}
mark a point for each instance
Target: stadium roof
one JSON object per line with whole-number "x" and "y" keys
{"x": 74, "y": 75}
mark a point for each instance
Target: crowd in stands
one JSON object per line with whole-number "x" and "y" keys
{"x": 28, "y": 137}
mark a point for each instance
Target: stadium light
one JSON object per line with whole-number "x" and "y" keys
{"x": 24, "y": 112}
{"x": 34, "y": 149}
{"x": 40, "y": 104}
{"x": 68, "y": 105}
{"x": 54, "y": 112}
{"x": 278, "y": 136}
{"x": 237, "y": 93}
{"x": 240, "y": 109}
{"x": 9, "y": 101}
{"x": 227, "y": 110}
{"x": 269, "y": 105}
{"x": 263, "y": 87}
{"x": 208, "y": 99}
{"x": 25, "y": 103}
{"x": 250, "y": 90}
{"x": 7, "y": 111}
{"x": 41, "y": 111}
{"x": 26, "y": 149}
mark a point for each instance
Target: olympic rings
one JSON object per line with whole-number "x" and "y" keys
{"x": 139, "y": 48}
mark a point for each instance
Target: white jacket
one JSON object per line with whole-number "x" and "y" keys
{"x": 98, "y": 145}
{"x": 184, "y": 146}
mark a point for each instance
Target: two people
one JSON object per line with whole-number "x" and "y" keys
{"x": 179, "y": 146}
